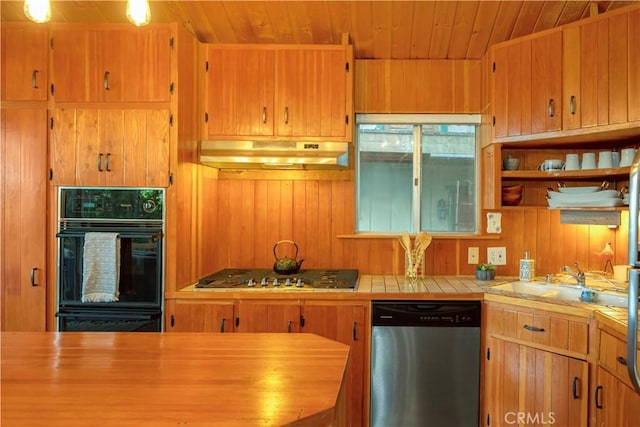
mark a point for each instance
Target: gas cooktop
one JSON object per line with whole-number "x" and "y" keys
{"x": 305, "y": 279}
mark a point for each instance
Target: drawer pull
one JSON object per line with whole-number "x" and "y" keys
{"x": 574, "y": 388}
{"x": 222, "y": 324}
{"x": 597, "y": 397}
{"x": 621, "y": 360}
{"x": 533, "y": 328}
{"x": 34, "y": 79}
{"x": 33, "y": 276}
{"x": 289, "y": 326}
{"x": 551, "y": 108}
{"x": 354, "y": 331}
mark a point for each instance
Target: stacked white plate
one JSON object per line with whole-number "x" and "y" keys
{"x": 625, "y": 199}
{"x": 569, "y": 197}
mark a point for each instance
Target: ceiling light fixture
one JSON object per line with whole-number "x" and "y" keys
{"x": 138, "y": 12}
{"x": 37, "y": 10}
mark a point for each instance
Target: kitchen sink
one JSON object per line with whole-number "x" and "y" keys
{"x": 564, "y": 292}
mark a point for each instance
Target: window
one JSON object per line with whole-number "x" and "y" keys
{"x": 417, "y": 172}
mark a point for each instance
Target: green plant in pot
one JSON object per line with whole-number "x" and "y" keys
{"x": 485, "y": 271}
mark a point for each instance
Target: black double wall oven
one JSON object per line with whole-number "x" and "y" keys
{"x": 110, "y": 259}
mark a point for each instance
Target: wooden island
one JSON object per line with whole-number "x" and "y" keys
{"x": 191, "y": 379}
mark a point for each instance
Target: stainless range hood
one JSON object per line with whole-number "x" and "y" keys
{"x": 274, "y": 154}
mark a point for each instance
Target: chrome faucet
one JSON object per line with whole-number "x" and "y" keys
{"x": 579, "y": 276}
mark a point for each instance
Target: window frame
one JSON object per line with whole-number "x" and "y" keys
{"x": 417, "y": 120}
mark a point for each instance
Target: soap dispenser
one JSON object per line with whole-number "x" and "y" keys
{"x": 527, "y": 268}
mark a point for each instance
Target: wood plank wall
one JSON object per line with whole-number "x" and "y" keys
{"x": 250, "y": 216}
{"x": 242, "y": 219}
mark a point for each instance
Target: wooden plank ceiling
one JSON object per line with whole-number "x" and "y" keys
{"x": 378, "y": 29}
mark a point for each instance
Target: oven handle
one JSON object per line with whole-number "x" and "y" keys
{"x": 108, "y": 315}
{"x": 155, "y": 236}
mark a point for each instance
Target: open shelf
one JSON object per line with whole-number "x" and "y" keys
{"x": 577, "y": 174}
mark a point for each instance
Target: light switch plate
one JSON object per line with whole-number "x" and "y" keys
{"x": 497, "y": 255}
{"x": 473, "y": 255}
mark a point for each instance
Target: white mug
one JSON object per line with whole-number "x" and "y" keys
{"x": 589, "y": 161}
{"x": 605, "y": 160}
{"x": 626, "y": 157}
{"x": 551, "y": 165}
{"x": 572, "y": 162}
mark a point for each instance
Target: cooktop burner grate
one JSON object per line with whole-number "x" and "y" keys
{"x": 306, "y": 279}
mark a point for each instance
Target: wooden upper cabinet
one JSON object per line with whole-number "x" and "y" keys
{"x": 527, "y": 85}
{"x": 278, "y": 92}
{"x": 311, "y": 87}
{"x": 92, "y": 147}
{"x": 546, "y": 82}
{"x": 581, "y": 76}
{"x": 24, "y": 63}
{"x": 239, "y": 94}
{"x": 600, "y": 72}
{"x": 111, "y": 63}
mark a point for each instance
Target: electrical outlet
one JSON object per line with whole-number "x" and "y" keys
{"x": 497, "y": 255}
{"x": 473, "y": 255}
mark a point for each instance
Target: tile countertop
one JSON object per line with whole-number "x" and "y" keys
{"x": 373, "y": 287}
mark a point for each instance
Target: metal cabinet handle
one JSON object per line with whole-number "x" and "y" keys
{"x": 286, "y": 115}
{"x": 105, "y": 81}
{"x": 33, "y": 276}
{"x": 572, "y": 104}
{"x": 598, "y": 395}
{"x": 100, "y": 162}
{"x": 222, "y": 324}
{"x": 574, "y": 388}
{"x": 34, "y": 79}
{"x": 354, "y": 331}
{"x": 621, "y": 360}
{"x": 533, "y": 328}
{"x": 289, "y": 326}
{"x": 106, "y": 162}
{"x": 264, "y": 115}
{"x": 550, "y": 108}
{"x": 302, "y": 321}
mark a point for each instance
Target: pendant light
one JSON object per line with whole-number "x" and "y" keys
{"x": 37, "y": 10}
{"x": 138, "y": 12}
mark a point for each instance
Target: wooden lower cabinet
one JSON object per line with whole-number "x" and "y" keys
{"x": 267, "y": 316}
{"x": 616, "y": 404}
{"x": 342, "y": 321}
{"x": 529, "y": 386}
{"x": 615, "y": 401}
{"x": 345, "y": 322}
{"x": 199, "y": 316}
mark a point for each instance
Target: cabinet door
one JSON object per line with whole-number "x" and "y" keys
{"x": 111, "y": 147}
{"x": 512, "y": 82}
{"x": 108, "y": 64}
{"x": 23, "y": 162}
{"x": 268, "y": 316}
{"x": 239, "y": 93}
{"x": 546, "y": 82}
{"x": 615, "y": 403}
{"x": 73, "y": 58}
{"x": 544, "y": 387}
{"x": 199, "y": 316}
{"x": 345, "y": 324}
{"x": 311, "y": 92}
{"x": 24, "y": 62}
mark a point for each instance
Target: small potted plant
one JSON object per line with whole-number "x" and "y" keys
{"x": 486, "y": 271}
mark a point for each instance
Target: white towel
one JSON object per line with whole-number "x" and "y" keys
{"x": 101, "y": 267}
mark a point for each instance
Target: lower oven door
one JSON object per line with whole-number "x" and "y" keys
{"x": 141, "y": 268}
{"x": 105, "y": 320}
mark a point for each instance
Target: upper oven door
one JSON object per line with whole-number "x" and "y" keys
{"x": 141, "y": 268}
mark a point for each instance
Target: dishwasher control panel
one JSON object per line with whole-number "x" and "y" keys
{"x": 426, "y": 313}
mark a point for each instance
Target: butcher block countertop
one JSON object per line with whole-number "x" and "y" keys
{"x": 156, "y": 379}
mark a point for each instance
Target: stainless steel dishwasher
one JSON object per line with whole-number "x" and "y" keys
{"x": 425, "y": 363}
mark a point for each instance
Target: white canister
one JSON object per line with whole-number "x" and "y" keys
{"x": 527, "y": 268}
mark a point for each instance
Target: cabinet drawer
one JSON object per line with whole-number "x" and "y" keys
{"x": 561, "y": 332}
{"x": 612, "y": 354}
